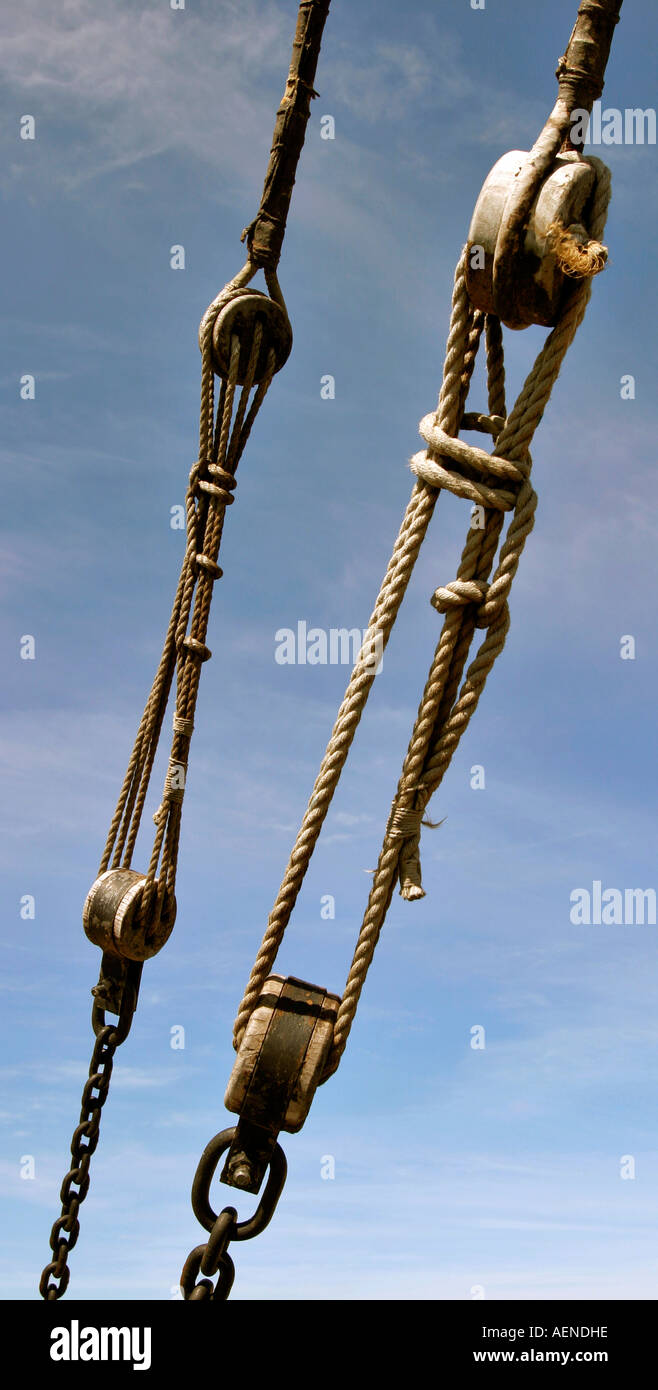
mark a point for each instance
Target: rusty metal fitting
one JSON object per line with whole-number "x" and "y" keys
{"x": 112, "y": 919}
{"x": 279, "y": 1064}
{"x": 524, "y": 285}
{"x": 240, "y": 314}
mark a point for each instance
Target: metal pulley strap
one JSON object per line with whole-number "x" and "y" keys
{"x": 245, "y": 338}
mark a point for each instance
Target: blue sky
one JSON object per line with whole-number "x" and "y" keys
{"x": 454, "y": 1168}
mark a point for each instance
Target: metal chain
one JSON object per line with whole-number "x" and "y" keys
{"x": 55, "y": 1276}
{"x": 213, "y": 1258}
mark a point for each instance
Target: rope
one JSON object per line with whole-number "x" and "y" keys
{"x": 576, "y": 255}
{"x": 465, "y": 328}
{"x": 500, "y": 482}
{"x": 222, "y": 439}
{"x": 211, "y": 483}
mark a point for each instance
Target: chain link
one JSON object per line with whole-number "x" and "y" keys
{"x": 213, "y": 1258}
{"x": 55, "y": 1277}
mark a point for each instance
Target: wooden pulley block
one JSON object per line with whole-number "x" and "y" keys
{"x": 533, "y": 289}
{"x": 244, "y": 310}
{"x": 276, "y": 1073}
{"x": 111, "y": 911}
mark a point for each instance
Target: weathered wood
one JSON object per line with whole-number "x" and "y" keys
{"x": 276, "y": 1072}
{"x": 110, "y": 916}
{"x": 240, "y": 315}
{"x": 538, "y": 283}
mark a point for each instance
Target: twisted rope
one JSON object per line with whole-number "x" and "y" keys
{"x": 222, "y": 439}
{"x": 499, "y": 482}
{"x": 465, "y": 328}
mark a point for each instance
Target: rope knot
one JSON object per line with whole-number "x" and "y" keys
{"x": 492, "y": 598}
{"x": 495, "y": 607}
{"x": 458, "y": 594}
{"x": 431, "y": 468}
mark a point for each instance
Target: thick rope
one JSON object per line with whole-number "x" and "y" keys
{"x": 434, "y": 740}
{"x": 465, "y": 329}
{"x": 468, "y": 602}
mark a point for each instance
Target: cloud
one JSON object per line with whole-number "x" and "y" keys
{"x": 113, "y": 88}
{"x": 531, "y": 1228}
{"x": 130, "y": 82}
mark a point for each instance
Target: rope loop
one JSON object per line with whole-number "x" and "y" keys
{"x": 435, "y": 473}
{"x": 218, "y": 495}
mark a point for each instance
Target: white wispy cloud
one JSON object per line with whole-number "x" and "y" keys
{"x": 132, "y": 81}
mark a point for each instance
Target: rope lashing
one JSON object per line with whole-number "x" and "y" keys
{"x": 580, "y": 71}
{"x": 404, "y": 821}
{"x": 460, "y": 358}
{"x": 264, "y": 236}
